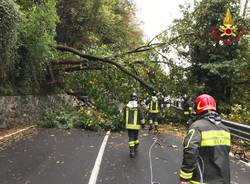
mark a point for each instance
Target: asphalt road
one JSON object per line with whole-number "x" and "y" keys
{"x": 67, "y": 157}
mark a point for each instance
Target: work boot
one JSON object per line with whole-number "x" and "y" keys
{"x": 150, "y": 127}
{"x": 132, "y": 153}
{"x": 156, "y": 129}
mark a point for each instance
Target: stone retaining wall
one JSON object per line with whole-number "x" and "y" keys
{"x": 21, "y": 110}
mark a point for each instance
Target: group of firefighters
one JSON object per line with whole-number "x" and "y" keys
{"x": 205, "y": 148}
{"x": 134, "y": 118}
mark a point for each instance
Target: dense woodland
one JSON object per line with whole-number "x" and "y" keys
{"x": 33, "y": 31}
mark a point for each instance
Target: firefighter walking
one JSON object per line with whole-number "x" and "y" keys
{"x": 134, "y": 119}
{"x": 154, "y": 105}
{"x": 206, "y": 146}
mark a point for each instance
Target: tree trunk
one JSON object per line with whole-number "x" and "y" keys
{"x": 245, "y": 8}
{"x": 105, "y": 60}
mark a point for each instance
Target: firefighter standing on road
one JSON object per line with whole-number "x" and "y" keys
{"x": 153, "y": 111}
{"x": 134, "y": 119}
{"x": 206, "y": 146}
{"x": 188, "y": 110}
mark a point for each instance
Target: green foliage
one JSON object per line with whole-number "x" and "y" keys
{"x": 246, "y": 145}
{"x": 47, "y": 119}
{"x": 239, "y": 113}
{"x": 36, "y": 40}
{"x": 27, "y": 44}
{"x": 86, "y": 118}
{"x": 215, "y": 68}
{"x": 9, "y": 19}
{"x": 174, "y": 116}
{"x": 106, "y": 28}
{"x": 90, "y": 22}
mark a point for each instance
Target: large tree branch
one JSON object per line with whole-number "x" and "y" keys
{"x": 79, "y": 68}
{"x": 245, "y": 8}
{"x": 104, "y": 60}
{"x": 157, "y": 36}
{"x": 70, "y": 62}
{"x": 150, "y": 46}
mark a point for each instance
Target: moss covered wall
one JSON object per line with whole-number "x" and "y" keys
{"x": 24, "y": 110}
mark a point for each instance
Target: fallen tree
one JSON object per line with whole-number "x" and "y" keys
{"x": 105, "y": 60}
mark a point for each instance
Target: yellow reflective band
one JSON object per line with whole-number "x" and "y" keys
{"x": 136, "y": 142}
{"x": 196, "y": 182}
{"x": 133, "y": 126}
{"x": 131, "y": 143}
{"x": 157, "y": 106}
{"x": 215, "y": 138}
{"x": 135, "y": 117}
{"x": 186, "y": 175}
{"x": 151, "y": 107}
{"x": 191, "y": 131}
{"x": 127, "y": 114}
{"x": 186, "y": 113}
{"x": 143, "y": 121}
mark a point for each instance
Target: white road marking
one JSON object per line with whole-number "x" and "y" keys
{"x": 14, "y": 133}
{"x": 95, "y": 171}
{"x": 150, "y": 161}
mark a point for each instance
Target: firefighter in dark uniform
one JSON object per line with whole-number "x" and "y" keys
{"x": 206, "y": 146}
{"x": 154, "y": 104}
{"x": 187, "y": 106}
{"x": 134, "y": 119}
{"x": 188, "y": 111}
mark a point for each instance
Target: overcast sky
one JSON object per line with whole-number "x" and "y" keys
{"x": 157, "y": 15}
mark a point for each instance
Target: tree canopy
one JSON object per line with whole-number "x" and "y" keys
{"x": 119, "y": 62}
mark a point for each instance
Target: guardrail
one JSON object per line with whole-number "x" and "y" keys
{"x": 238, "y": 130}
{"x": 241, "y": 131}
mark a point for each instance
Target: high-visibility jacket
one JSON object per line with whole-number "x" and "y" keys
{"x": 188, "y": 111}
{"x": 206, "y": 151}
{"x": 133, "y": 117}
{"x": 154, "y": 105}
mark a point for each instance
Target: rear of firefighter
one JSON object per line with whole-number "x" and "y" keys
{"x": 206, "y": 146}
{"x": 154, "y": 103}
{"x": 134, "y": 119}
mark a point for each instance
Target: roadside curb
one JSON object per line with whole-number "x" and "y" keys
{"x": 17, "y": 132}
{"x": 232, "y": 155}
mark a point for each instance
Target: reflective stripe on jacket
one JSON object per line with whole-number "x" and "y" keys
{"x": 154, "y": 106}
{"x": 133, "y": 118}
{"x": 206, "y": 152}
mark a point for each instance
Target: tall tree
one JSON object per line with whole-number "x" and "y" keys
{"x": 10, "y": 16}
{"x": 89, "y": 22}
{"x": 214, "y": 65}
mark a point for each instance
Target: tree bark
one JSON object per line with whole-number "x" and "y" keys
{"x": 245, "y": 8}
{"x": 105, "y": 60}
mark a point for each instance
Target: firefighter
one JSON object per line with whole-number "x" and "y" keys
{"x": 206, "y": 146}
{"x": 187, "y": 105}
{"x": 154, "y": 105}
{"x": 189, "y": 110}
{"x": 134, "y": 119}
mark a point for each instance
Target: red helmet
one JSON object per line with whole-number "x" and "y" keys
{"x": 204, "y": 102}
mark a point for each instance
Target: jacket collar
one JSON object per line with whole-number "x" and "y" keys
{"x": 211, "y": 116}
